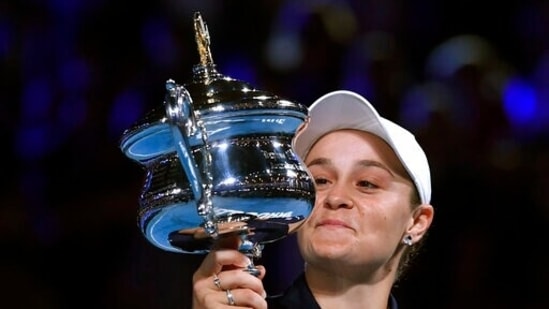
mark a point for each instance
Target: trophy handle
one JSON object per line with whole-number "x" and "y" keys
{"x": 184, "y": 123}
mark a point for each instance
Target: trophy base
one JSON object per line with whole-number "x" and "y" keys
{"x": 246, "y": 226}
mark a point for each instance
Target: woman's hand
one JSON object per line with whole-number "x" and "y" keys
{"x": 222, "y": 282}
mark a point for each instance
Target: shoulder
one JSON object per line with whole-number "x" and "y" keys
{"x": 297, "y": 295}
{"x": 393, "y": 304}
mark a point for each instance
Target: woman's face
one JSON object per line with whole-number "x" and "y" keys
{"x": 362, "y": 207}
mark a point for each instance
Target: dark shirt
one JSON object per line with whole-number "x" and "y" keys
{"x": 298, "y": 295}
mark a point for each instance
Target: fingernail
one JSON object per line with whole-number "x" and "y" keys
{"x": 252, "y": 271}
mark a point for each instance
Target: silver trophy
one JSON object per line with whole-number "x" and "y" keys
{"x": 219, "y": 163}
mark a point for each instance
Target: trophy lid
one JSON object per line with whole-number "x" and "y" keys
{"x": 214, "y": 96}
{"x": 209, "y": 88}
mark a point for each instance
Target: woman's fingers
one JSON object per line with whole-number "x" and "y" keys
{"x": 262, "y": 271}
{"x": 222, "y": 280}
{"x": 235, "y": 298}
{"x": 220, "y": 259}
{"x": 238, "y": 278}
{"x": 229, "y": 288}
{"x": 245, "y": 298}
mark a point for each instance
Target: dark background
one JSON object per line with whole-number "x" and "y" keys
{"x": 469, "y": 78}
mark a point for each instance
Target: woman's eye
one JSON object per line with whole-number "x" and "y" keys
{"x": 321, "y": 181}
{"x": 366, "y": 184}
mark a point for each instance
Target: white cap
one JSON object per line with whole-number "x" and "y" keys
{"x": 348, "y": 110}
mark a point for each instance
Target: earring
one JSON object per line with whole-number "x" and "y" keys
{"x": 407, "y": 240}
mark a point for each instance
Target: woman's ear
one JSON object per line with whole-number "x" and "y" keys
{"x": 422, "y": 217}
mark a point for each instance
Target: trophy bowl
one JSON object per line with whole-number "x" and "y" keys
{"x": 219, "y": 162}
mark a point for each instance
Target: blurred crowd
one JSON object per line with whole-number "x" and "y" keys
{"x": 470, "y": 79}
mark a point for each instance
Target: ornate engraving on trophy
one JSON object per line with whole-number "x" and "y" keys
{"x": 273, "y": 120}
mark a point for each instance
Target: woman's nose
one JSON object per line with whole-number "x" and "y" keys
{"x": 338, "y": 197}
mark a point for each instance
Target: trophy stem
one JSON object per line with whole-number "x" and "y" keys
{"x": 252, "y": 250}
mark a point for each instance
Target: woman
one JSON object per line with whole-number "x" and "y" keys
{"x": 372, "y": 211}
